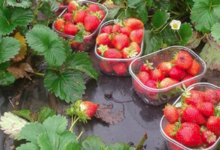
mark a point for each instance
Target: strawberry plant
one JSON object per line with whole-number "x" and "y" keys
{"x": 24, "y": 34}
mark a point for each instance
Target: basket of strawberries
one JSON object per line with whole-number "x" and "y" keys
{"x": 193, "y": 121}
{"x": 117, "y": 44}
{"x": 160, "y": 76}
{"x": 79, "y": 23}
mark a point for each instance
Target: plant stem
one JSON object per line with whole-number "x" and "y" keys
{"x": 140, "y": 145}
{"x": 39, "y": 74}
{"x": 73, "y": 122}
{"x": 79, "y": 135}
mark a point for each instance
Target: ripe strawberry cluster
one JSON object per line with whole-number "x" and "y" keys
{"x": 167, "y": 73}
{"x": 120, "y": 40}
{"x": 85, "y": 18}
{"x": 196, "y": 123}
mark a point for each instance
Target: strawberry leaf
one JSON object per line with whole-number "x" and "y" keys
{"x": 28, "y": 146}
{"x": 204, "y": 14}
{"x": 92, "y": 142}
{"x": 171, "y": 36}
{"x": 72, "y": 146}
{"x": 6, "y": 78}
{"x": 9, "y": 47}
{"x": 26, "y": 114}
{"x": 185, "y": 33}
{"x": 4, "y": 66}
{"x": 163, "y": 4}
{"x": 46, "y": 42}
{"x": 133, "y": 4}
{"x": 120, "y": 146}
{"x": 216, "y": 32}
{"x": 44, "y": 113}
{"x": 22, "y": 3}
{"x": 112, "y": 13}
{"x": 78, "y": 37}
{"x": 142, "y": 13}
{"x": 119, "y": 2}
{"x": 68, "y": 85}
{"x": 160, "y": 17}
{"x": 11, "y": 18}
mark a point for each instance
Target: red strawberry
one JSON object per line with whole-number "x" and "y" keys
{"x": 107, "y": 29}
{"x": 101, "y": 49}
{"x": 189, "y": 135}
{"x": 93, "y": 8}
{"x": 183, "y": 60}
{"x": 120, "y": 41}
{"x": 193, "y": 97}
{"x": 165, "y": 67}
{"x": 91, "y": 23}
{"x": 112, "y": 53}
{"x": 213, "y": 124}
{"x": 147, "y": 67}
{"x": 59, "y": 24}
{"x": 206, "y": 108}
{"x": 138, "y": 88}
{"x": 177, "y": 73}
{"x": 74, "y": 44}
{"x": 180, "y": 112}
{"x": 80, "y": 16}
{"x": 103, "y": 39}
{"x": 89, "y": 107}
{"x": 143, "y": 77}
{"x": 194, "y": 69}
{"x": 218, "y": 92}
{"x": 152, "y": 84}
{"x": 211, "y": 96}
{"x": 70, "y": 29}
{"x": 120, "y": 68}
{"x": 116, "y": 28}
{"x": 101, "y": 14}
{"x": 131, "y": 51}
{"x": 68, "y": 17}
{"x": 192, "y": 114}
{"x": 106, "y": 66}
{"x": 208, "y": 137}
{"x": 72, "y": 6}
{"x": 170, "y": 130}
{"x": 166, "y": 82}
{"x": 170, "y": 113}
{"x": 188, "y": 83}
{"x": 125, "y": 31}
{"x": 133, "y": 24}
{"x": 156, "y": 75}
{"x": 136, "y": 35}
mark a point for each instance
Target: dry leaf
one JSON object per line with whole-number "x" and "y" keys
{"x": 18, "y": 72}
{"x": 104, "y": 113}
{"x": 26, "y": 67}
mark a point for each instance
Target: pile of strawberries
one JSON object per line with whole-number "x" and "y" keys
{"x": 167, "y": 73}
{"x": 196, "y": 122}
{"x": 119, "y": 40}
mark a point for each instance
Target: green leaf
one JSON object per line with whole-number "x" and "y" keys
{"x": 112, "y": 13}
{"x": 163, "y": 4}
{"x": 4, "y": 66}
{"x": 130, "y": 13}
{"x": 6, "y": 78}
{"x": 82, "y": 62}
{"x": 120, "y": 146}
{"x": 68, "y": 85}
{"x": 78, "y": 37}
{"x": 45, "y": 41}
{"x": 185, "y": 32}
{"x": 56, "y": 124}
{"x": 49, "y": 141}
{"x": 169, "y": 36}
{"x": 32, "y": 131}
{"x": 149, "y": 2}
{"x": 119, "y": 2}
{"x": 160, "y": 17}
{"x": 11, "y": 18}
{"x": 72, "y": 146}
{"x": 9, "y": 47}
{"x": 28, "y": 146}
{"x": 54, "y": 5}
{"x": 44, "y": 113}
{"x": 67, "y": 47}
{"x": 26, "y": 114}
{"x": 142, "y": 13}
{"x": 133, "y": 4}
{"x": 205, "y": 14}
{"x": 152, "y": 42}
{"x": 68, "y": 137}
{"x": 22, "y": 3}
{"x": 92, "y": 143}
{"x": 216, "y": 32}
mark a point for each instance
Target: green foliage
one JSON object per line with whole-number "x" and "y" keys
{"x": 216, "y": 32}
{"x": 44, "y": 113}
{"x": 120, "y": 146}
{"x": 6, "y": 78}
{"x": 185, "y": 33}
{"x": 91, "y": 143}
{"x": 22, "y": 3}
{"x": 160, "y": 17}
{"x": 162, "y": 4}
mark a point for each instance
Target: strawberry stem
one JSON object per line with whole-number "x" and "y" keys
{"x": 79, "y": 135}
{"x": 73, "y": 122}
{"x": 140, "y": 145}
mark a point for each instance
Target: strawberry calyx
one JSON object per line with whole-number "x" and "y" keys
{"x": 217, "y": 111}
{"x": 80, "y": 26}
{"x": 119, "y": 22}
{"x": 130, "y": 52}
{"x": 102, "y": 48}
{"x": 98, "y": 15}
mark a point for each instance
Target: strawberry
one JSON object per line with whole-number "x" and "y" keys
{"x": 177, "y": 73}
{"x": 180, "y": 112}
{"x": 68, "y": 17}
{"x": 206, "y": 108}
{"x": 107, "y": 29}
{"x": 59, "y": 24}
{"x": 112, "y": 53}
{"x": 73, "y": 44}
{"x": 143, "y": 77}
{"x": 170, "y": 130}
{"x": 194, "y": 69}
{"x": 183, "y": 60}
{"x": 116, "y": 28}
{"x": 166, "y": 82}
{"x": 125, "y": 31}
{"x": 170, "y": 113}
{"x": 189, "y": 135}
{"x": 208, "y": 137}
{"x": 70, "y": 29}
{"x": 131, "y": 51}
{"x": 213, "y": 124}
{"x": 165, "y": 67}
{"x": 120, "y": 68}
{"x": 192, "y": 114}
{"x": 156, "y": 75}
{"x": 103, "y": 39}
{"x": 72, "y": 6}
{"x": 93, "y": 8}
{"x": 101, "y": 49}
{"x": 147, "y": 67}
{"x": 152, "y": 84}
{"x": 188, "y": 83}
{"x": 133, "y": 24}
{"x": 91, "y": 23}
{"x": 89, "y": 108}
{"x": 138, "y": 88}
{"x": 218, "y": 92}
{"x": 101, "y": 14}
{"x": 211, "y": 96}
{"x": 193, "y": 97}
{"x": 105, "y": 66}
{"x": 80, "y": 16}
{"x": 136, "y": 35}
{"x": 120, "y": 41}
